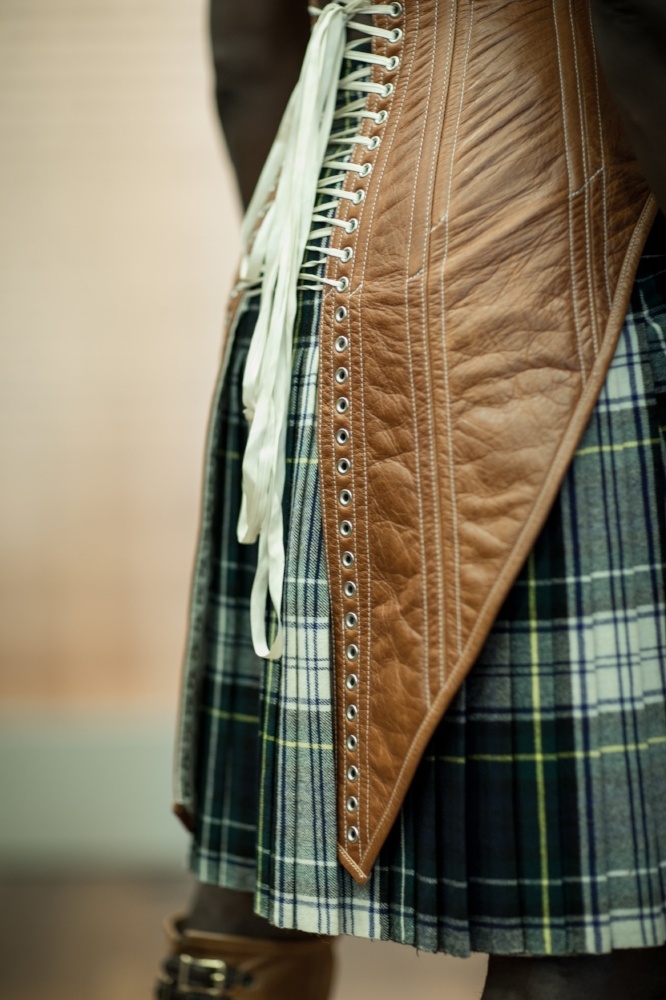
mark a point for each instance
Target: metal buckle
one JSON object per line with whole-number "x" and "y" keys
{"x": 217, "y": 968}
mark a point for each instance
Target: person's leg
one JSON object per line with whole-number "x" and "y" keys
{"x": 634, "y": 974}
{"x": 226, "y": 911}
{"x": 222, "y": 948}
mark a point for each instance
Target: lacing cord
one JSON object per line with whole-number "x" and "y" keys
{"x": 290, "y": 210}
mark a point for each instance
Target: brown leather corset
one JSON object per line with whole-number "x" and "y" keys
{"x": 461, "y": 355}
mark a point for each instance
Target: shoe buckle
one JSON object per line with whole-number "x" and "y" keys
{"x": 218, "y": 975}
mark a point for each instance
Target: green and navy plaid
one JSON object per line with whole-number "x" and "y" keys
{"x": 536, "y": 822}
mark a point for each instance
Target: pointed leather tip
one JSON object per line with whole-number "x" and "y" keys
{"x": 348, "y": 863}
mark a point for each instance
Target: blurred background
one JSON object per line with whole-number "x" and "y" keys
{"x": 118, "y": 238}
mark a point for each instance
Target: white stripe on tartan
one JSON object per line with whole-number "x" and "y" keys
{"x": 614, "y": 646}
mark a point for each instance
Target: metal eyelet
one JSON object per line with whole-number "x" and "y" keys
{"x": 351, "y": 620}
{"x": 347, "y": 559}
{"x": 382, "y": 117}
{"x": 340, "y": 314}
{"x": 341, "y": 375}
{"x": 352, "y": 804}
{"x": 351, "y": 712}
{"x": 352, "y": 834}
{"x": 396, "y": 9}
{"x": 352, "y": 651}
{"x": 352, "y": 682}
{"x": 392, "y": 64}
{"x": 342, "y": 404}
{"x": 351, "y": 226}
{"x": 345, "y": 498}
{"x": 396, "y": 35}
{"x": 342, "y": 436}
{"x": 344, "y": 465}
{"x": 365, "y": 170}
{"x": 352, "y": 772}
{"x": 347, "y": 254}
{"x": 352, "y": 742}
{"x": 350, "y": 588}
{"x": 388, "y": 90}
{"x": 374, "y": 142}
{"x": 341, "y": 344}
{"x": 342, "y": 284}
{"x": 346, "y": 528}
{"x": 359, "y": 195}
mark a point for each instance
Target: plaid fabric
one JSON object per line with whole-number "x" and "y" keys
{"x": 536, "y": 822}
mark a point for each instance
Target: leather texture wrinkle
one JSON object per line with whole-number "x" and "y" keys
{"x": 497, "y": 240}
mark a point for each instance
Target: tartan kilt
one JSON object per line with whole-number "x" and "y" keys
{"x": 536, "y": 822}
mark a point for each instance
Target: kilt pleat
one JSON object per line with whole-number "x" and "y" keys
{"x": 536, "y": 822}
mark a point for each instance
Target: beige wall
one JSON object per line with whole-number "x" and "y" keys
{"x": 118, "y": 234}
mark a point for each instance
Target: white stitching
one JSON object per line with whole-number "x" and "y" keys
{"x": 587, "y": 184}
{"x": 451, "y": 463}
{"x": 344, "y": 214}
{"x": 581, "y": 356}
{"x": 441, "y": 603}
{"x": 602, "y": 147}
{"x": 363, "y": 258}
{"x": 585, "y": 155}
{"x": 411, "y": 371}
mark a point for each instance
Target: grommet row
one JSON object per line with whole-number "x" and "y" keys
{"x": 343, "y": 385}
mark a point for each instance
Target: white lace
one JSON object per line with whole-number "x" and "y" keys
{"x": 281, "y": 223}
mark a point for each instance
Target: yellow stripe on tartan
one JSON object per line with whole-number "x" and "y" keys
{"x": 218, "y": 713}
{"x": 599, "y": 449}
{"x": 539, "y": 756}
{"x": 530, "y": 758}
{"x": 297, "y": 744}
{"x": 262, "y": 771}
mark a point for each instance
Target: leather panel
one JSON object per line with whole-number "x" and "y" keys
{"x": 493, "y": 263}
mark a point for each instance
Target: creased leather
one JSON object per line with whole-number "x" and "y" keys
{"x": 493, "y": 262}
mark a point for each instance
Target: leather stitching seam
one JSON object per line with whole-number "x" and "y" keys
{"x": 451, "y": 462}
{"x": 567, "y": 150}
{"x": 364, "y": 261}
{"x": 602, "y": 148}
{"x": 415, "y": 427}
{"x": 427, "y": 349}
{"x": 585, "y": 153}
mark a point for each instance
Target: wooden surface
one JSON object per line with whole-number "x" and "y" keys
{"x": 118, "y": 238}
{"x": 100, "y": 939}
